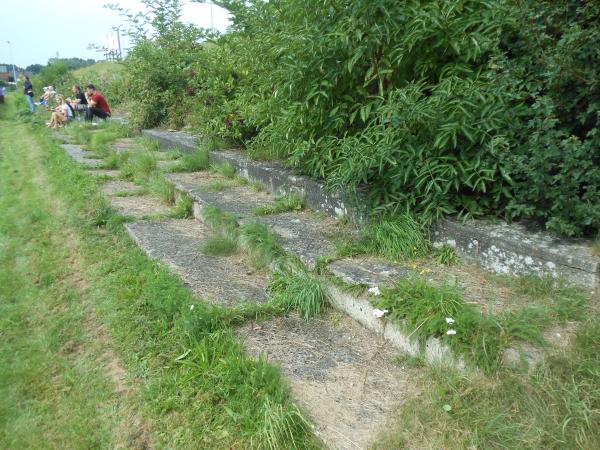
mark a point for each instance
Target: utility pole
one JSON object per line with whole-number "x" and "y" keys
{"x": 12, "y": 61}
{"x": 118, "y": 29}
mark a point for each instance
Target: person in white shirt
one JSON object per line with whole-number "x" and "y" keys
{"x": 61, "y": 114}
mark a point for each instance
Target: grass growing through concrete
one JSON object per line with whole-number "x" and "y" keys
{"x": 283, "y": 203}
{"x": 555, "y": 406}
{"x": 75, "y": 287}
{"x": 261, "y": 245}
{"x": 428, "y": 310}
{"x": 225, "y": 169}
{"x": 396, "y": 239}
{"x": 294, "y": 288}
{"x": 192, "y": 162}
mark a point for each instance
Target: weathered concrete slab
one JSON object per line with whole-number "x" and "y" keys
{"x": 340, "y": 373}
{"x": 104, "y": 173}
{"x": 80, "y": 155}
{"x": 60, "y": 136}
{"x": 303, "y": 234}
{"x": 171, "y": 140}
{"x": 239, "y": 200}
{"x": 129, "y": 145}
{"x": 500, "y": 248}
{"x": 512, "y": 249}
{"x": 139, "y": 206}
{"x": 220, "y": 280}
{"x": 115, "y": 186}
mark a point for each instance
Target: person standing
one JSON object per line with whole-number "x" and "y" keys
{"x": 97, "y": 104}
{"x": 28, "y": 91}
{"x": 1, "y": 94}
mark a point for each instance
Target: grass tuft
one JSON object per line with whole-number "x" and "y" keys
{"x": 193, "y": 162}
{"x": 261, "y": 246}
{"x": 219, "y": 246}
{"x": 221, "y": 223}
{"x": 284, "y": 203}
{"x": 396, "y": 239}
{"x": 225, "y": 169}
{"x": 162, "y": 188}
{"x": 297, "y": 289}
{"x": 446, "y": 255}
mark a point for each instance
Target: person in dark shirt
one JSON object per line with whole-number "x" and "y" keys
{"x": 79, "y": 102}
{"x": 97, "y": 104}
{"x": 28, "y": 91}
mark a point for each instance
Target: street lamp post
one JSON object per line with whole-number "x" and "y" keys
{"x": 12, "y": 61}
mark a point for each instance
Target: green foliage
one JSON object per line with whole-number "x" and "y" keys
{"x": 219, "y": 246}
{"x": 297, "y": 289}
{"x": 446, "y": 255}
{"x": 222, "y": 223}
{"x": 397, "y": 239}
{"x": 283, "y": 203}
{"x": 162, "y": 188}
{"x": 261, "y": 245}
{"x": 225, "y": 169}
{"x": 467, "y": 108}
{"x": 424, "y": 309}
{"x": 192, "y": 162}
{"x": 184, "y": 207}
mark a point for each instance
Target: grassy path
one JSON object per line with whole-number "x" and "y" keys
{"x": 98, "y": 345}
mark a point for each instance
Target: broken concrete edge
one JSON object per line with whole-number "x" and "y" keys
{"x": 500, "y": 248}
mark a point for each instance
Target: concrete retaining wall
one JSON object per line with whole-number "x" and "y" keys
{"x": 501, "y": 248}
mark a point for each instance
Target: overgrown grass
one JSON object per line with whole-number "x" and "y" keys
{"x": 219, "y": 246}
{"x": 221, "y": 223}
{"x": 296, "y": 289}
{"x": 197, "y": 387}
{"x": 446, "y": 255}
{"x": 428, "y": 310}
{"x": 225, "y": 169}
{"x": 555, "y": 406}
{"x": 261, "y": 245}
{"x": 218, "y": 185}
{"x": 283, "y": 203}
{"x": 396, "y": 239}
{"x": 194, "y": 161}
{"x": 184, "y": 207}
{"x": 138, "y": 167}
{"x": 162, "y": 188}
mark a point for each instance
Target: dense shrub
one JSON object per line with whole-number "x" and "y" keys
{"x": 466, "y": 107}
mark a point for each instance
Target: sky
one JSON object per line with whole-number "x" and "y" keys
{"x": 42, "y": 29}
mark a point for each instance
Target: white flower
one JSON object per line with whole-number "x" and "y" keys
{"x": 451, "y": 332}
{"x": 191, "y": 307}
{"x": 379, "y": 313}
{"x": 449, "y": 320}
{"x": 374, "y": 291}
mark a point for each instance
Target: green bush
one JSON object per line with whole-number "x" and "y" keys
{"x": 468, "y": 107}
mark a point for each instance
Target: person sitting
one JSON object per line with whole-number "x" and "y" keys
{"x": 97, "y": 104}
{"x": 61, "y": 114}
{"x": 49, "y": 92}
{"x": 79, "y": 102}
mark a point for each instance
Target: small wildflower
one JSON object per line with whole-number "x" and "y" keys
{"x": 425, "y": 271}
{"x": 374, "y": 291}
{"x": 379, "y": 313}
{"x": 449, "y": 320}
{"x": 451, "y": 332}
{"x": 191, "y": 307}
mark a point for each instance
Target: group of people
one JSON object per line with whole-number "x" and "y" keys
{"x": 90, "y": 103}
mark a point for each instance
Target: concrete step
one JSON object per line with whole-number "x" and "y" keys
{"x": 301, "y": 232}
{"x": 498, "y": 247}
{"x": 239, "y": 200}
{"x": 344, "y": 376}
{"x": 81, "y": 156}
{"x": 216, "y": 279}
